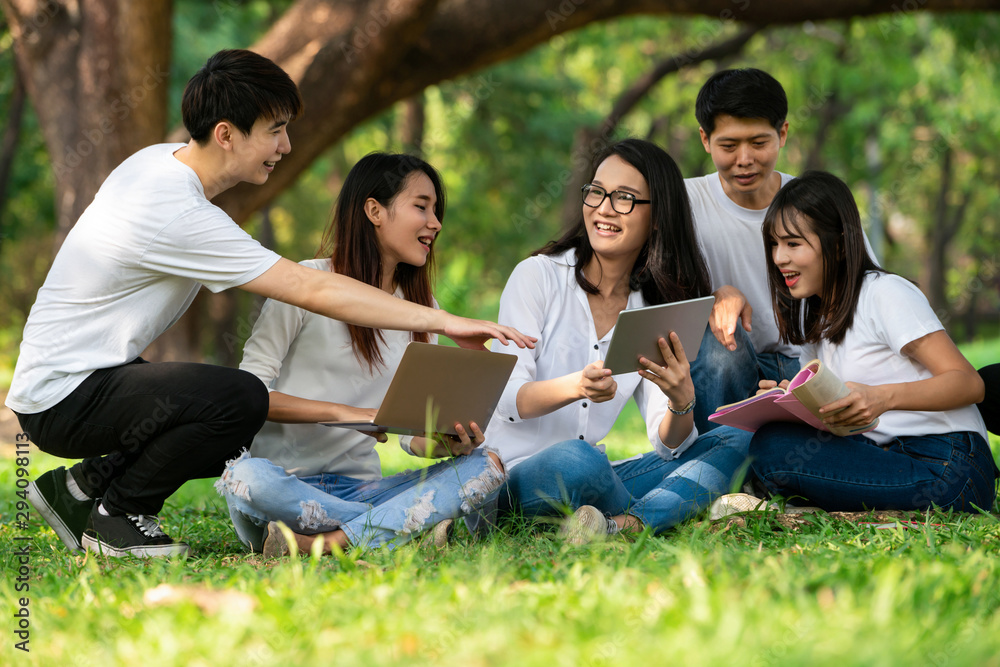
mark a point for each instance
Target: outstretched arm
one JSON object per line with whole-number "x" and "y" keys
{"x": 348, "y": 300}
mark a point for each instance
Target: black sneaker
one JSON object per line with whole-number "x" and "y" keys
{"x": 129, "y": 535}
{"x": 64, "y": 513}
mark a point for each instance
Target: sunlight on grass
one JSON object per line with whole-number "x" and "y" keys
{"x": 749, "y": 592}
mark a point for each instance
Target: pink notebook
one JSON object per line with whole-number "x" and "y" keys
{"x": 812, "y": 387}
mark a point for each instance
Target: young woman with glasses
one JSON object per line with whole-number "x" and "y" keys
{"x": 633, "y": 246}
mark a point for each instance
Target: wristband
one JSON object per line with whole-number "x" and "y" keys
{"x": 683, "y": 411}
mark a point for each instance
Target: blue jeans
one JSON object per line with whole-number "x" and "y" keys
{"x": 842, "y": 474}
{"x": 658, "y": 492}
{"x": 722, "y": 377}
{"x": 388, "y": 511}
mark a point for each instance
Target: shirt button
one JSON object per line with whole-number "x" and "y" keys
{"x": 585, "y": 404}
{"x": 596, "y": 347}
{"x": 511, "y": 418}
{"x": 581, "y": 437}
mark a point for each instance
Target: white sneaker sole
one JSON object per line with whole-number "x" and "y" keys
{"x": 150, "y": 551}
{"x": 52, "y": 518}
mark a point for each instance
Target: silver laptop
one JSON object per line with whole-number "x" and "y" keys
{"x": 637, "y": 331}
{"x": 436, "y": 386}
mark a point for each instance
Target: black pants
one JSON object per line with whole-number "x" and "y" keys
{"x": 144, "y": 429}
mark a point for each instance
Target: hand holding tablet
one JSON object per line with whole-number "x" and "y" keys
{"x": 637, "y": 331}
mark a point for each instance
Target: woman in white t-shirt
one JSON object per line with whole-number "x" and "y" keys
{"x": 634, "y": 246}
{"x": 324, "y": 481}
{"x": 876, "y": 331}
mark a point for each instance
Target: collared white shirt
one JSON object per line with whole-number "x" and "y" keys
{"x": 543, "y": 299}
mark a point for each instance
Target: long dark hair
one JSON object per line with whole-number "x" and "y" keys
{"x": 352, "y": 245}
{"x": 821, "y": 203}
{"x": 670, "y": 266}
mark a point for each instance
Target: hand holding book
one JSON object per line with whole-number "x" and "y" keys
{"x": 814, "y": 387}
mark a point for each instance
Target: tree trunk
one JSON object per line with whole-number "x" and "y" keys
{"x": 411, "y": 128}
{"x": 97, "y": 72}
{"x": 8, "y": 143}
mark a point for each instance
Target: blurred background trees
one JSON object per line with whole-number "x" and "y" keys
{"x": 507, "y": 99}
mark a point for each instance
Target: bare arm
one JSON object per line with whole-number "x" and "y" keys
{"x": 288, "y": 409}
{"x": 730, "y": 306}
{"x": 541, "y": 397}
{"x": 348, "y": 300}
{"x": 955, "y": 384}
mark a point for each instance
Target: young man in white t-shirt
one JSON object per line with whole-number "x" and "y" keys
{"x": 741, "y": 114}
{"x": 127, "y": 271}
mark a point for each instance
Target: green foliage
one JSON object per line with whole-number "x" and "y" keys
{"x": 910, "y": 84}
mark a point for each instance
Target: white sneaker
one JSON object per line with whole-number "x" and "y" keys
{"x": 442, "y": 533}
{"x": 588, "y": 524}
{"x": 735, "y": 503}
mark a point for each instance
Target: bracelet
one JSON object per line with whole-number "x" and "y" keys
{"x": 683, "y": 411}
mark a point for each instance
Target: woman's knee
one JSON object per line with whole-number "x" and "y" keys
{"x": 245, "y": 473}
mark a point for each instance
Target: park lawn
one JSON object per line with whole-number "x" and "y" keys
{"x": 825, "y": 592}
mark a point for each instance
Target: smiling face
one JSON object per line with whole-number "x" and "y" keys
{"x": 797, "y": 252}
{"x": 256, "y": 155}
{"x": 407, "y": 228}
{"x": 613, "y": 235}
{"x": 745, "y": 152}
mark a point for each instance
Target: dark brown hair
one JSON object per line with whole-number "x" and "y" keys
{"x": 241, "y": 87}
{"x": 670, "y": 266}
{"x": 352, "y": 245}
{"x": 821, "y": 203}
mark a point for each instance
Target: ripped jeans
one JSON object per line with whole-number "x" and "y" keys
{"x": 388, "y": 511}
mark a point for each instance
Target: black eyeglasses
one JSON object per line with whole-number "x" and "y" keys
{"x": 623, "y": 202}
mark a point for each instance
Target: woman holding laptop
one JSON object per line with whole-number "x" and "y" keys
{"x": 634, "y": 246}
{"x": 326, "y": 483}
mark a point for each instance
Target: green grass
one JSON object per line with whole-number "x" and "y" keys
{"x": 824, "y": 593}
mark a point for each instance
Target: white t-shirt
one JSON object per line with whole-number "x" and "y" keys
{"x": 730, "y": 237}
{"x": 128, "y": 270}
{"x": 543, "y": 299}
{"x": 310, "y": 356}
{"x": 891, "y": 313}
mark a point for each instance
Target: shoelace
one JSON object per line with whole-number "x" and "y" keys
{"x": 148, "y": 525}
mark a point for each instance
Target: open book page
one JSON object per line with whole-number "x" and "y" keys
{"x": 815, "y": 386}
{"x": 812, "y": 387}
{"x": 764, "y": 408}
